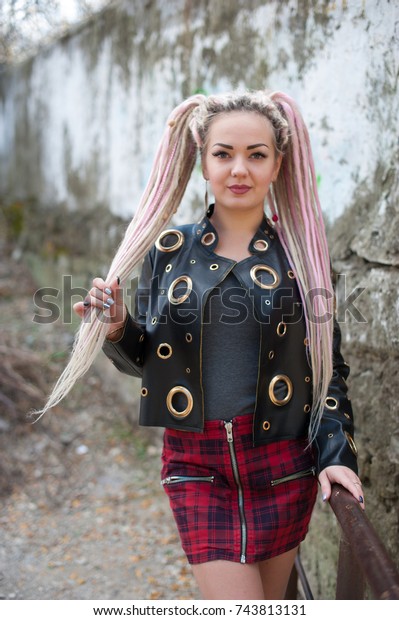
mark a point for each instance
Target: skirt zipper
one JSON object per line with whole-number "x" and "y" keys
{"x": 176, "y": 479}
{"x": 299, "y": 474}
{"x": 229, "y": 431}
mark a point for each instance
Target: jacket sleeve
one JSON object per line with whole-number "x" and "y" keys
{"x": 334, "y": 440}
{"x": 127, "y": 353}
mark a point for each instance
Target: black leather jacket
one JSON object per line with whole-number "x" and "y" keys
{"x": 163, "y": 343}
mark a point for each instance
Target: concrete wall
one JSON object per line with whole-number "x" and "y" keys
{"x": 79, "y": 124}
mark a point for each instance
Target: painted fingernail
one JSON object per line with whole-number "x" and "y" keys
{"x": 361, "y": 500}
{"x": 324, "y": 497}
{"x": 106, "y": 305}
{"x": 118, "y": 280}
{"x": 86, "y": 303}
{"x": 108, "y": 291}
{"x": 110, "y": 301}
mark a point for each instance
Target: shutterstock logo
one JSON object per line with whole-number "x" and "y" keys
{"x": 53, "y": 304}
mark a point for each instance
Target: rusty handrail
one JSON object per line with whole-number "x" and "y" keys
{"x": 362, "y": 556}
{"x": 365, "y": 549}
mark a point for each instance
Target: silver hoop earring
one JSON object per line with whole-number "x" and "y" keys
{"x": 206, "y": 195}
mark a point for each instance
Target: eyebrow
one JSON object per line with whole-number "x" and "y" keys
{"x": 249, "y": 148}
{"x": 255, "y": 146}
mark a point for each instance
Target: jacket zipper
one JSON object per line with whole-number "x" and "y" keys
{"x": 257, "y": 380}
{"x": 299, "y": 474}
{"x": 229, "y": 431}
{"x": 176, "y": 479}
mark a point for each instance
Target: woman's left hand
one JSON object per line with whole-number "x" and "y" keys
{"x": 344, "y": 476}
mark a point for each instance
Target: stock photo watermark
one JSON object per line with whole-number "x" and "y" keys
{"x": 53, "y": 304}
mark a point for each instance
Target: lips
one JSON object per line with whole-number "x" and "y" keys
{"x": 239, "y": 189}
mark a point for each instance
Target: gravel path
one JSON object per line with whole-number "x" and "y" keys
{"x": 91, "y": 522}
{"x": 89, "y": 519}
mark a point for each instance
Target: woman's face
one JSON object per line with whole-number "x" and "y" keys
{"x": 239, "y": 160}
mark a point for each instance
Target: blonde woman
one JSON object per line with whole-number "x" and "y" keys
{"x": 234, "y": 337}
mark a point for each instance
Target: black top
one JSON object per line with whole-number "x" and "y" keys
{"x": 231, "y": 340}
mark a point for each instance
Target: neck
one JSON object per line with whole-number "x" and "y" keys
{"x": 236, "y": 222}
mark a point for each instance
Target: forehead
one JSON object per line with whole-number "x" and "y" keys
{"x": 241, "y": 127}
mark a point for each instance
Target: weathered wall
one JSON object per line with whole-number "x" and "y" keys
{"x": 79, "y": 125}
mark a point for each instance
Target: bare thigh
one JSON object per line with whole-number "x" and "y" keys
{"x": 275, "y": 574}
{"x": 223, "y": 580}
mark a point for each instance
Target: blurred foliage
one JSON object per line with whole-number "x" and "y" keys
{"x": 13, "y": 218}
{"x": 26, "y": 25}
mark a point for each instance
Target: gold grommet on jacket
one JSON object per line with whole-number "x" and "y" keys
{"x": 208, "y": 238}
{"x": 179, "y": 300}
{"x": 170, "y": 248}
{"x": 261, "y": 245}
{"x": 281, "y": 329}
{"x": 272, "y": 272}
{"x": 351, "y": 442}
{"x": 288, "y": 383}
{"x": 331, "y": 403}
{"x": 164, "y": 351}
{"x": 179, "y": 389}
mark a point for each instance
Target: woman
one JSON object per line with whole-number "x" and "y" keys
{"x": 234, "y": 338}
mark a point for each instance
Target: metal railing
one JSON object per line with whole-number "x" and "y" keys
{"x": 363, "y": 559}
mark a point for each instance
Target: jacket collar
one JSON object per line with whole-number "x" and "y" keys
{"x": 205, "y": 233}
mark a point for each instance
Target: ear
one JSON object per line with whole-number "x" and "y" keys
{"x": 277, "y": 166}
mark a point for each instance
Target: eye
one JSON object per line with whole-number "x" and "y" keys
{"x": 221, "y": 154}
{"x": 258, "y": 155}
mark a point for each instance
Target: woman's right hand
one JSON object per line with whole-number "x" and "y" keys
{"x": 108, "y": 296}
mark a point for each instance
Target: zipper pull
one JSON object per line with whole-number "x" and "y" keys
{"x": 229, "y": 430}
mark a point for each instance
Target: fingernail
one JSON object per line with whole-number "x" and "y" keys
{"x": 118, "y": 280}
{"x": 86, "y": 303}
{"x": 110, "y": 301}
{"x": 324, "y": 497}
{"x": 108, "y": 291}
{"x": 361, "y": 500}
{"x": 106, "y": 305}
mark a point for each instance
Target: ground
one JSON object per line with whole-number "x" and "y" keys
{"x": 82, "y": 515}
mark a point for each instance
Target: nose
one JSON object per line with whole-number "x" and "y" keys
{"x": 238, "y": 168}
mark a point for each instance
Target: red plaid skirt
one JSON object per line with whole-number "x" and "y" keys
{"x": 233, "y": 501}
